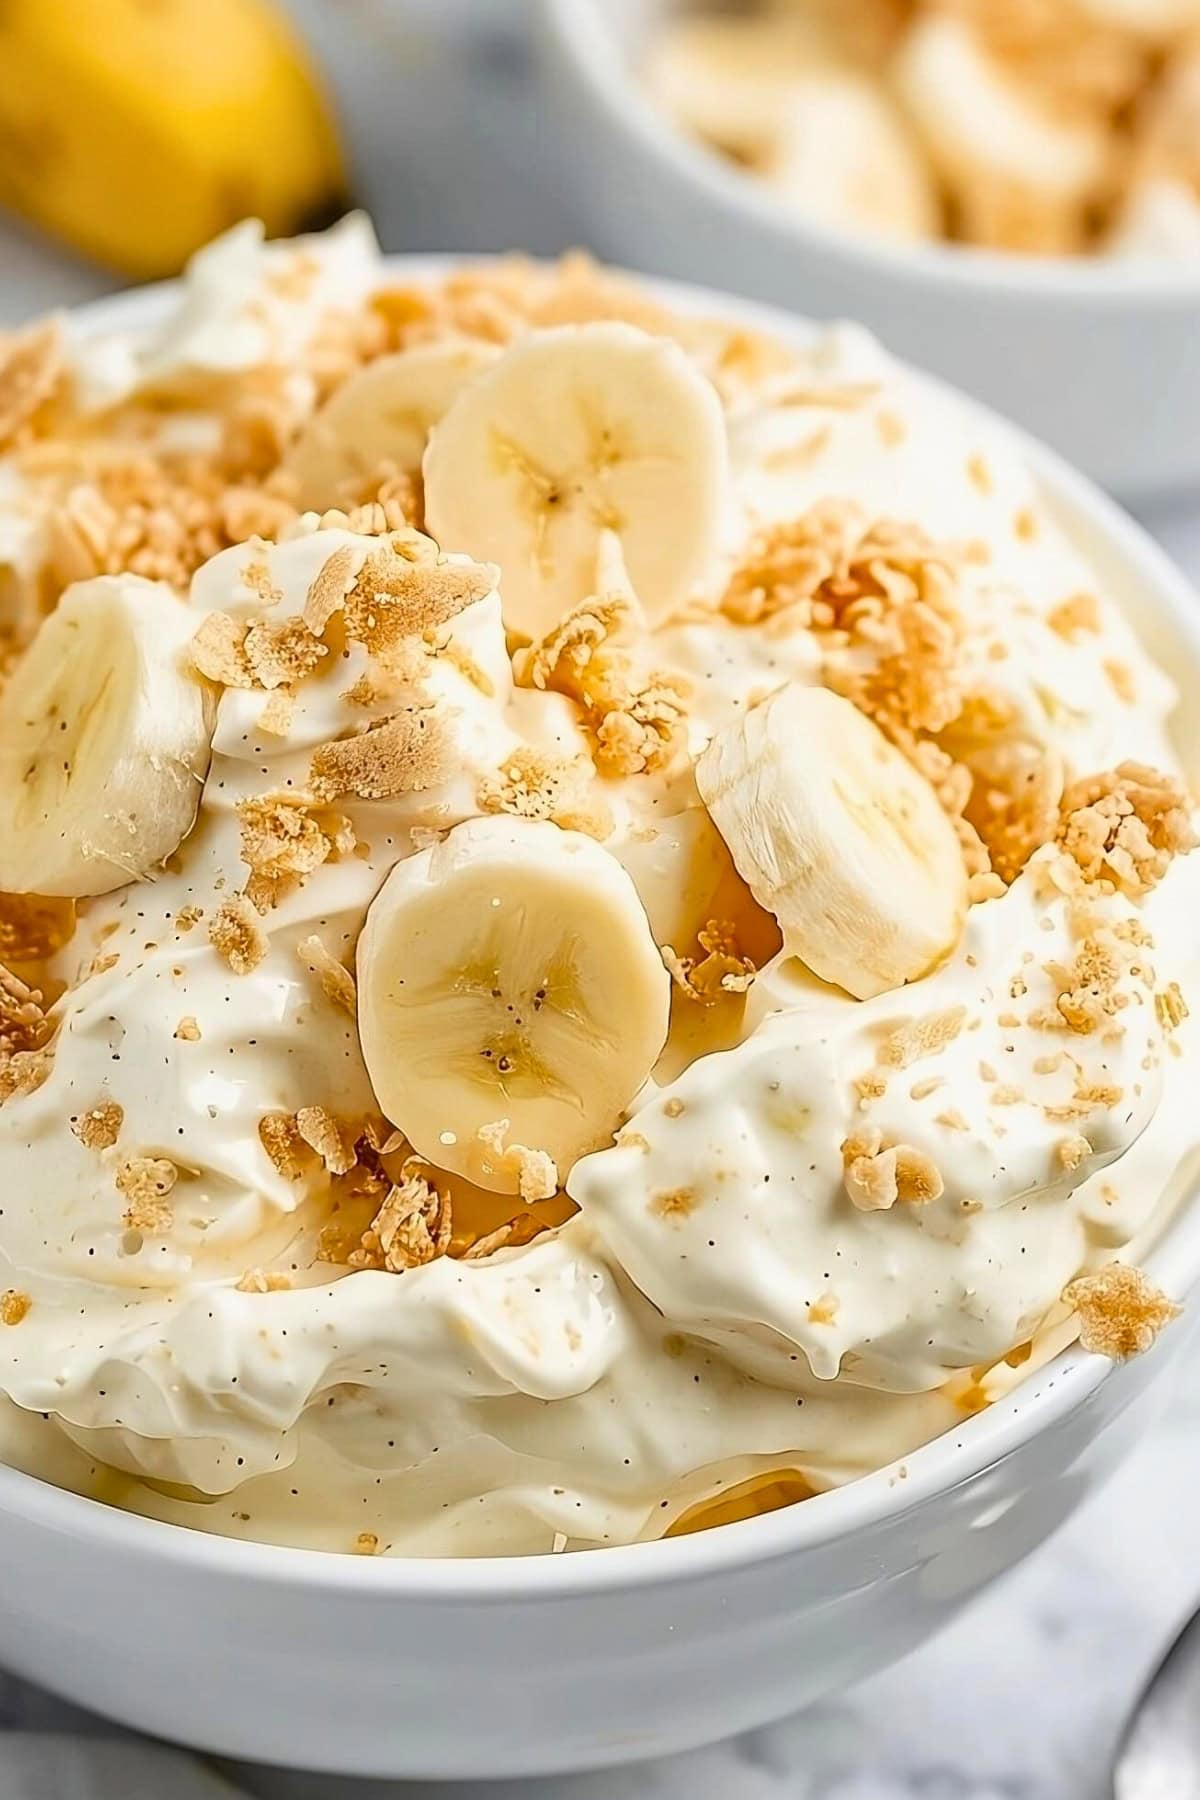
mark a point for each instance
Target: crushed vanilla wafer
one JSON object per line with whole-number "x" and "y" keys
{"x": 1121, "y": 1311}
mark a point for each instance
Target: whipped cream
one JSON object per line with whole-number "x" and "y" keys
{"x": 740, "y": 1293}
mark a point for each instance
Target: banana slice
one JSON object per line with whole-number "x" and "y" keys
{"x": 105, "y": 737}
{"x": 510, "y": 994}
{"x": 575, "y": 431}
{"x": 383, "y": 414}
{"x": 839, "y": 836}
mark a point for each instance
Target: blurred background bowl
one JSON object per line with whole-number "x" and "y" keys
{"x": 1099, "y": 359}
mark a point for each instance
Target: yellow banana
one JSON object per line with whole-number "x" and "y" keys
{"x": 138, "y": 132}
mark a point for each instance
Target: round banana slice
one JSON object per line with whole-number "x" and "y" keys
{"x": 511, "y": 1000}
{"x": 383, "y": 414}
{"x": 105, "y": 736}
{"x": 839, "y": 836}
{"x": 573, "y": 432}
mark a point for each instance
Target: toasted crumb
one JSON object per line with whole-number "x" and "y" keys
{"x": 33, "y": 928}
{"x": 403, "y": 754}
{"x": 561, "y": 658}
{"x": 280, "y": 1137}
{"x": 643, "y": 727}
{"x": 674, "y": 1203}
{"x": 236, "y": 934}
{"x": 720, "y": 971}
{"x": 366, "y": 1544}
{"x": 1124, "y": 827}
{"x": 32, "y": 366}
{"x": 673, "y": 1108}
{"x": 284, "y": 838}
{"x": 264, "y": 1281}
{"x": 413, "y": 1226}
{"x": 1077, "y": 616}
{"x": 14, "y": 1306}
{"x": 99, "y": 1127}
{"x": 329, "y": 587}
{"x": 1121, "y": 1312}
{"x": 145, "y": 1181}
{"x": 188, "y": 917}
{"x": 25, "y": 1036}
{"x": 1090, "y": 993}
{"x": 332, "y": 1138}
{"x": 532, "y": 784}
{"x": 1171, "y": 1007}
{"x": 876, "y": 1175}
{"x": 406, "y": 589}
{"x": 218, "y": 651}
{"x": 335, "y": 980}
{"x": 825, "y": 1310}
{"x": 187, "y": 1030}
{"x": 281, "y": 655}
{"x": 536, "y": 1172}
{"x": 1071, "y": 1151}
{"x": 922, "y": 1037}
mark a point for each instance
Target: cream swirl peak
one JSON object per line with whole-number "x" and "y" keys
{"x": 664, "y": 990}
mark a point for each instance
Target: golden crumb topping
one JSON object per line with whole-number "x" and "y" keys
{"x": 1170, "y": 1006}
{"x": 187, "y": 1030}
{"x": 332, "y": 1138}
{"x": 99, "y": 1127}
{"x": 14, "y": 1306}
{"x": 32, "y": 366}
{"x": 1124, "y": 827}
{"x": 405, "y": 753}
{"x": 637, "y": 718}
{"x": 258, "y": 654}
{"x": 1121, "y": 1311}
{"x": 264, "y": 1281}
{"x": 925, "y": 1036}
{"x": 413, "y": 1226}
{"x": 235, "y": 933}
{"x": 535, "y": 1170}
{"x": 25, "y": 1037}
{"x": 406, "y": 589}
{"x": 719, "y": 971}
{"x": 534, "y": 784}
{"x": 333, "y": 977}
{"x": 280, "y": 1137}
{"x": 145, "y": 1182}
{"x": 877, "y": 1175}
{"x": 284, "y": 838}
{"x": 1075, "y": 617}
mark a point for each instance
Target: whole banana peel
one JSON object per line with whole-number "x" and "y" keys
{"x": 136, "y": 130}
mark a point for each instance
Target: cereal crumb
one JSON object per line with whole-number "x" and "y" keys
{"x": 14, "y": 1306}
{"x": 334, "y": 978}
{"x": 877, "y": 1176}
{"x": 1121, "y": 1312}
{"x": 99, "y": 1127}
{"x": 1124, "y": 827}
{"x": 187, "y": 1030}
{"x": 236, "y": 934}
{"x": 412, "y": 1227}
{"x": 332, "y": 1138}
{"x": 719, "y": 971}
{"x": 536, "y": 1171}
{"x": 264, "y": 1281}
{"x": 145, "y": 1182}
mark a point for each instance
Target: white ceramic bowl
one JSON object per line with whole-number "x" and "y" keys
{"x": 519, "y": 1666}
{"x": 1100, "y": 360}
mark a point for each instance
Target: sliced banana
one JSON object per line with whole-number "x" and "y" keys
{"x": 838, "y": 836}
{"x": 845, "y": 155}
{"x": 727, "y": 79}
{"x": 383, "y": 414}
{"x": 574, "y": 432}
{"x": 510, "y": 994}
{"x": 105, "y": 736}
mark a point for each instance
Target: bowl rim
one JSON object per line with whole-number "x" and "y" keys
{"x": 940, "y": 1466}
{"x": 586, "y": 41}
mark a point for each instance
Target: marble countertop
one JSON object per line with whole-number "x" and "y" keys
{"x": 1023, "y": 1698}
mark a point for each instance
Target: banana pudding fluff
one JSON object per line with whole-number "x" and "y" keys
{"x": 596, "y": 916}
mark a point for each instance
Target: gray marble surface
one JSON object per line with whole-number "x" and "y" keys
{"x": 1023, "y": 1698}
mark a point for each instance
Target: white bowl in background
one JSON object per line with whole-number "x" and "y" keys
{"x": 1099, "y": 358}
{"x": 522, "y": 1666}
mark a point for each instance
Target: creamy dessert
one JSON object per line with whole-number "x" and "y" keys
{"x": 597, "y": 921}
{"x": 1048, "y": 127}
